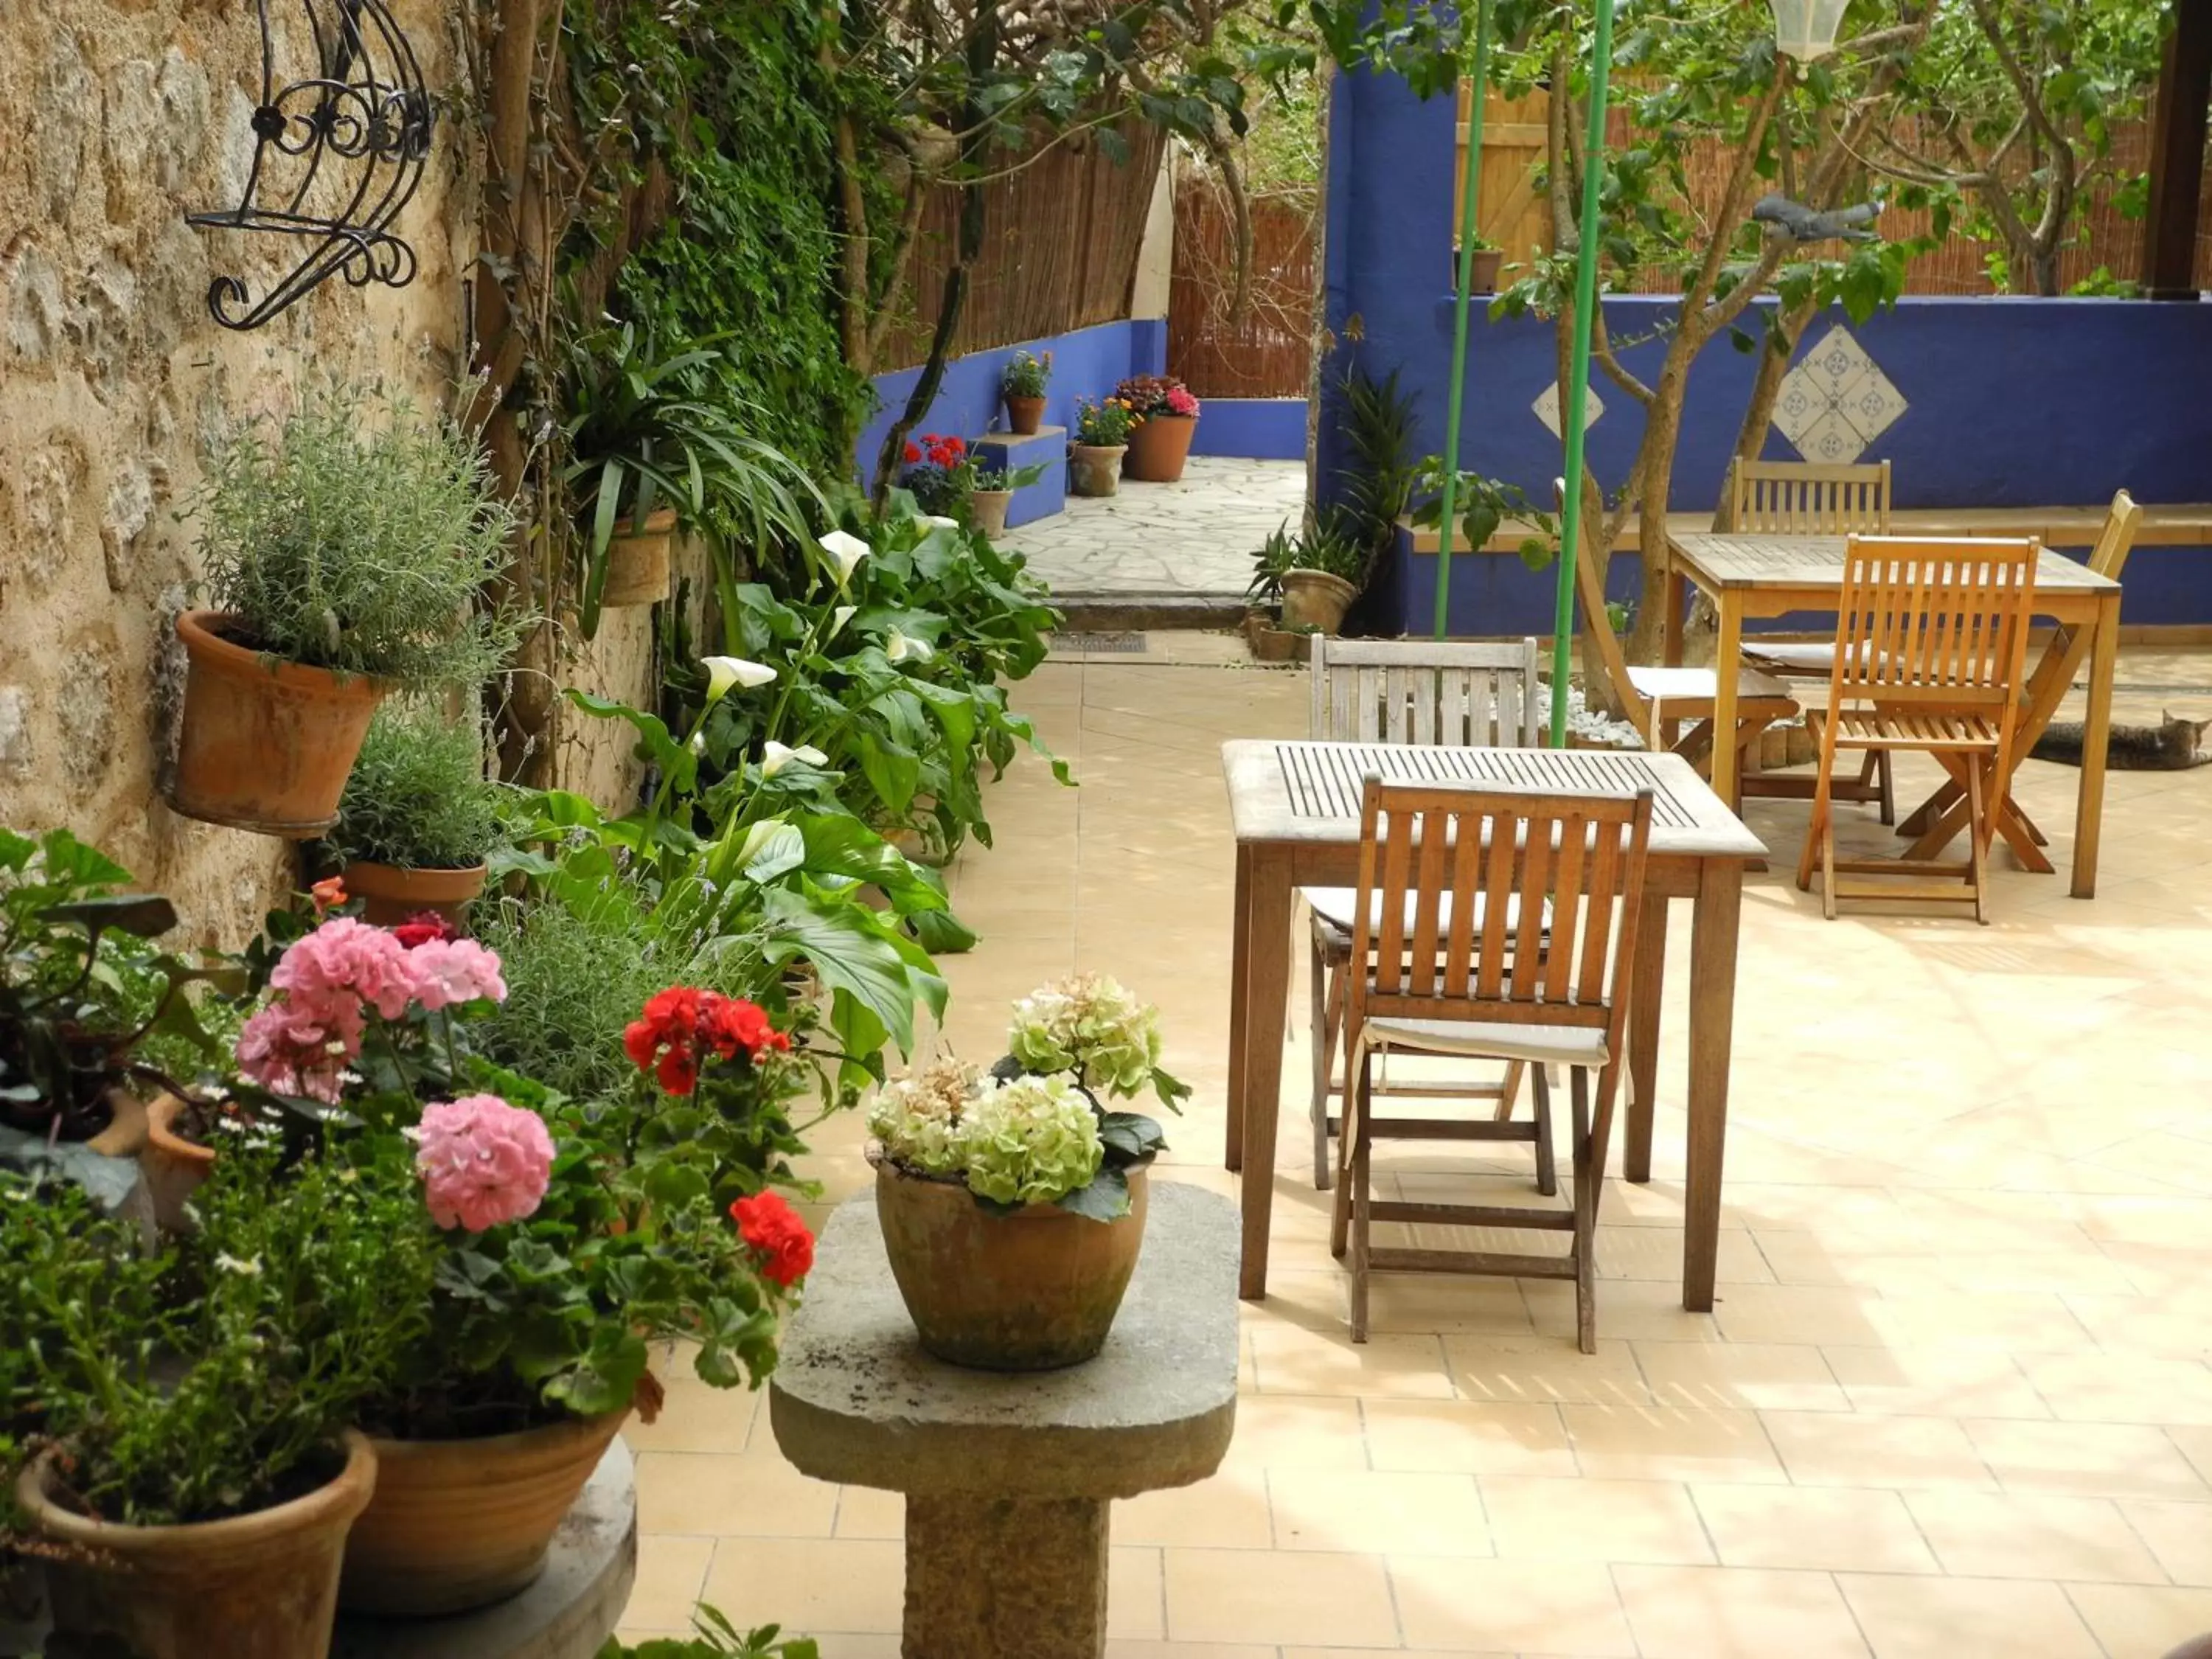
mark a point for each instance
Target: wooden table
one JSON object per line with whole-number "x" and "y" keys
{"x": 1775, "y": 575}
{"x": 1296, "y": 810}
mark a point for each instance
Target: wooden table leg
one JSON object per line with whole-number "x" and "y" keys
{"x": 1727, "y": 670}
{"x": 1643, "y": 1035}
{"x": 2089, "y": 808}
{"x": 1240, "y": 973}
{"x": 1714, "y": 920}
{"x": 1671, "y": 616}
{"x": 1267, "y": 997}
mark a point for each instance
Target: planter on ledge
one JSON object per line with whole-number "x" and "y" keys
{"x": 390, "y": 895}
{"x": 1024, "y": 415}
{"x": 637, "y": 562}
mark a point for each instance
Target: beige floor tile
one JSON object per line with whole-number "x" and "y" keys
{"x": 695, "y": 1417}
{"x": 2179, "y": 1535}
{"x": 2106, "y": 1387}
{"x": 1289, "y": 1360}
{"x": 1532, "y": 1518}
{"x": 1228, "y": 1511}
{"x": 1656, "y": 1253}
{"x": 1245, "y": 1595}
{"x": 1670, "y": 1442}
{"x": 1540, "y": 1369}
{"x": 849, "y": 1646}
{"x": 1745, "y": 1375}
{"x": 1377, "y": 1512}
{"x": 812, "y": 1585}
{"x": 1290, "y": 1430}
{"x": 1468, "y": 1436}
{"x": 1828, "y": 1528}
{"x": 1627, "y": 1310}
{"x": 2086, "y": 1460}
{"x": 1186, "y": 1650}
{"x": 1445, "y": 1304}
{"x": 1826, "y": 1449}
{"x": 866, "y": 1512}
{"x": 707, "y": 1493}
{"x": 2031, "y": 1535}
{"x": 1797, "y": 1314}
{"x": 1136, "y": 1605}
{"x": 1515, "y": 1606}
{"x": 2140, "y": 1622}
{"x": 1736, "y": 1613}
{"x": 1370, "y": 1653}
{"x": 1907, "y": 1618}
{"x": 1934, "y": 1383}
{"x": 669, "y": 1573}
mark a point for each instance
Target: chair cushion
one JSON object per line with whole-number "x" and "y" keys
{"x": 1690, "y": 684}
{"x": 1540, "y": 1045}
{"x": 1796, "y": 656}
{"x": 1333, "y": 909}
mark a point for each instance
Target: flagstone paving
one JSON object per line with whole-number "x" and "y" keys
{"x": 1951, "y": 1403}
{"x": 1194, "y": 539}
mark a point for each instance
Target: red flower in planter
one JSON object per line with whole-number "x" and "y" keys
{"x": 682, "y": 1026}
{"x": 913, "y": 452}
{"x": 776, "y": 1234}
{"x": 423, "y": 927}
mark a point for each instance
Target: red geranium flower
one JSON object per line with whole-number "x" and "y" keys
{"x": 423, "y": 927}
{"x": 775, "y": 1231}
{"x": 913, "y": 452}
{"x": 679, "y": 1025}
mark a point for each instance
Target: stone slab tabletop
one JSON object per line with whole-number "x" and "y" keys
{"x": 855, "y": 1400}
{"x": 568, "y": 1613}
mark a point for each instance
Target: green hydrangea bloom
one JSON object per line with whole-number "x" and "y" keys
{"x": 1033, "y": 1141}
{"x": 917, "y": 1119}
{"x": 1091, "y": 1026}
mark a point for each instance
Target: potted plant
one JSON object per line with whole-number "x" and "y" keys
{"x": 1488, "y": 257}
{"x": 939, "y": 473}
{"x": 346, "y": 551}
{"x": 715, "y": 1637}
{"x": 1263, "y": 598}
{"x": 1024, "y": 384}
{"x": 1321, "y": 570}
{"x": 1013, "y": 1207}
{"x": 1102, "y": 437}
{"x": 993, "y": 493}
{"x": 1167, "y": 421}
{"x": 417, "y": 818}
{"x": 188, "y": 1472}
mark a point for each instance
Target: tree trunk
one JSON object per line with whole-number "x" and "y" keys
{"x": 1661, "y": 431}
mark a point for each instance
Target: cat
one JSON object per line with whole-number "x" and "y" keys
{"x": 2173, "y": 745}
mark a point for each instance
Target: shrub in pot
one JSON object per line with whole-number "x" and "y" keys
{"x": 715, "y": 1637}
{"x": 1102, "y": 430}
{"x": 1167, "y": 422}
{"x": 1023, "y": 384}
{"x": 187, "y": 1465}
{"x": 992, "y": 492}
{"x": 1013, "y": 1207}
{"x": 418, "y": 817}
{"x": 347, "y": 548}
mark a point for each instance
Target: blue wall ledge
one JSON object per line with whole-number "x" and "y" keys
{"x": 1252, "y": 428}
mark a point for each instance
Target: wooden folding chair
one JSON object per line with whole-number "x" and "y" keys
{"x": 1937, "y": 822}
{"x": 1431, "y": 967}
{"x": 1685, "y": 694}
{"x": 1932, "y": 640}
{"x": 1408, "y": 691}
{"x": 1806, "y": 498}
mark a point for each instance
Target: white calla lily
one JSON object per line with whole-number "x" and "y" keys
{"x": 723, "y": 673}
{"x": 846, "y": 551}
{"x": 899, "y": 648}
{"x": 774, "y": 756}
{"x": 938, "y": 522}
{"x": 840, "y": 617}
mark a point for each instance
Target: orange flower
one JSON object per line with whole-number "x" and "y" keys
{"x": 329, "y": 893}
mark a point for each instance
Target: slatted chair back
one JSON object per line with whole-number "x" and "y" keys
{"x": 1425, "y": 691}
{"x": 2117, "y": 538}
{"x": 1427, "y": 853}
{"x": 1937, "y": 623}
{"x": 1807, "y": 498}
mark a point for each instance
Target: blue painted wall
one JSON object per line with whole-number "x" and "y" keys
{"x": 2008, "y": 402}
{"x": 1252, "y": 428}
{"x": 1088, "y": 363}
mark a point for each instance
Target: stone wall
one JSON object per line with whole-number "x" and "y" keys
{"x": 120, "y": 118}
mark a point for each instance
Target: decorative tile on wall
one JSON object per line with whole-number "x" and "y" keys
{"x": 1547, "y": 408}
{"x": 1835, "y": 402}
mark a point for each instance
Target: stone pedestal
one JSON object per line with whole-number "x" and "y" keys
{"x": 1008, "y": 1478}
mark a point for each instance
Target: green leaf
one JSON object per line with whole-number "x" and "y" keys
{"x": 1131, "y": 1134}
{"x": 1106, "y": 1199}
{"x": 146, "y": 915}
{"x": 848, "y": 946}
{"x": 940, "y": 933}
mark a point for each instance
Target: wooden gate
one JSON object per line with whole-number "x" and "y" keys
{"x": 1511, "y": 213}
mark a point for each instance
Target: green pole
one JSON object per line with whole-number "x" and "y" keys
{"x": 1570, "y": 510}
{"x": 1469, "y": 196}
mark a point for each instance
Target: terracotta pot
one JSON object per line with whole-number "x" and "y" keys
{"x": 1316, "y": 600}
{"x": 390, "y": 895}
{"x": 1030, "y": 1291}
{"x": 263, "y": 747}
{"x": 463, "y": 1523}
{"x": 127, "y": 1127}
{"x": 258, "y": 1586}
{"x": 1095, "y": 469}
{"x": 1158, "y": 448}
{"x": 1273, "y": 644}
{"x": 637, "y": 562}
{"x": 1024, "y": 415}
{"x": 989, "y": 506}
{"x": 1486, "y": 263}
{"x": 172, "y": 1167}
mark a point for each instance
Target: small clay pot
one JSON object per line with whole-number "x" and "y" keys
{"x": 1314, "y": 598}
{"x": 264, "y": 745}
{"x": 1158, "y": 448}
{"x": 462, "y": 1524}
{"x": 989, "y": 506}
{"x": 1024, "y": 415}
{"x": 258, "y": 1586}
{"x": 1029, "y": 1292}
{"x": 1272, "y": 644}
{"x": 1095, "y": 469}
{"x": 390, "y": 894}
{"x": 1485, "y": 277}
{"x": 127, "y": 1127}
{"x": 637, "y": 561}
{"x": 172, "y": 1167}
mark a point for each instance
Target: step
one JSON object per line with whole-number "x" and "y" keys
{"x": 1046, "y": 447}
{"x": 1159, "y": 613}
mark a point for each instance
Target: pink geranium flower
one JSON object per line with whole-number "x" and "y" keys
{"x": 482, "y": 1162}
{"x": 346, "y": 954}
{"x": 451, "y": 971}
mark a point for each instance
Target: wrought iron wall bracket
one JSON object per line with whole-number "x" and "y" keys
{"x": 354, "y": 137}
